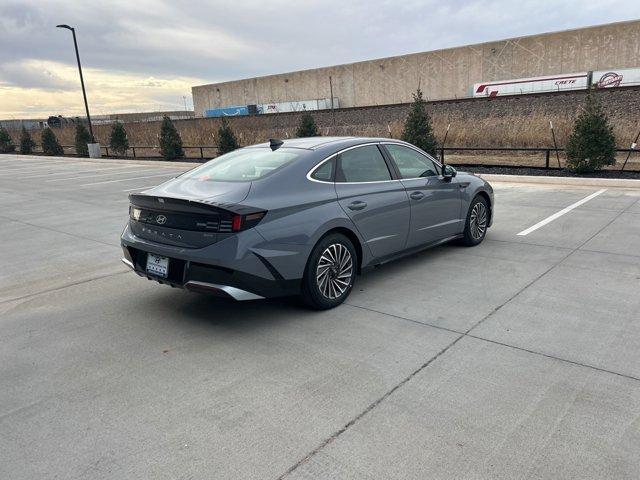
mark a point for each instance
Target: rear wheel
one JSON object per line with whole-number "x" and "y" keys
{"x": 330, "y": 272}
{"x": 477, "y": 221}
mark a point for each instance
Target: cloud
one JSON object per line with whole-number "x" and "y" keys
{"x": 146, "y": 52}
{"x": 45, "y": 88}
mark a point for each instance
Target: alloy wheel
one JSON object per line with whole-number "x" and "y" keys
{"x": 334, "y": 271}
{"x": 478, "y": 220}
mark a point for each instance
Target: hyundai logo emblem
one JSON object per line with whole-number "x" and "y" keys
{"x": 161, "y": 219}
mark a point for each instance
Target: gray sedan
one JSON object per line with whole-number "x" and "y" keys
{"x": 301, "y": 216}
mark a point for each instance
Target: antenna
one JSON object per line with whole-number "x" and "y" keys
{"x": 275, "y": 144}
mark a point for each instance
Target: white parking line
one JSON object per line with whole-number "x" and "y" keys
{"x": 561, "y": 212}
{"x": 126, "y": 179}
{"x": 19, "y": 171}
{"x": 26, "y": 164}
{"x": 33, "y": 168}
{"x": 44, "y": 171}
{"x": 88, "y": 172}
{"x": 22, "y": 163}
{"x": 89, "y": 175}
{"x": 25, "y": 161}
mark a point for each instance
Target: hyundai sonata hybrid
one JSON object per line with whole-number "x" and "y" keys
{"x": 300, "y": 217}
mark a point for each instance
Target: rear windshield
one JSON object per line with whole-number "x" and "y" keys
{"x": 243, "y": 165}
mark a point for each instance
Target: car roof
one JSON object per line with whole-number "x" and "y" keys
{"x": 314, "y": 143}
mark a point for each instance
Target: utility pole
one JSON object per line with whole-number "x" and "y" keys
{"x": 84, "y": 93}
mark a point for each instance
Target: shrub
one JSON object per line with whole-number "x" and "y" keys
{"x": 6, "y": 143}
{"x": 118, "y": 141}
{"x": 591, "y": 144}
{"x": 26, "y": 142}
{"x": 170, "y": 141}
{"x": 82, "y": 138}
{"x": 307, "y": 127}
{"x": 227, "y": 141}
{"x": 417, "y": 127}
{"x": 50, "y": 145}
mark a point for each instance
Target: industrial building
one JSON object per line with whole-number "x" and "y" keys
{"x": 442, "y": 74}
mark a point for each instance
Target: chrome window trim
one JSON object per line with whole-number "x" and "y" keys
{"x": 407, "y": 145}
{"x": 321, "y": 162}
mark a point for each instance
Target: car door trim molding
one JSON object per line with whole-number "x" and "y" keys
{"x": 384, "y": 237}
{"x": 448, "y": 222}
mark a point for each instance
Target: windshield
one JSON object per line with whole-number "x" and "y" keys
{"x": 243, "y": 165}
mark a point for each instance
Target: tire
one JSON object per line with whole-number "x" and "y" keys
{"x": 326, "y": 284}
{"x": 475, "y": 227}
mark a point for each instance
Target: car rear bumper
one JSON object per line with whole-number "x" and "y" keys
{"x": 199, "y": 286}
{"x": 228, "y": 269}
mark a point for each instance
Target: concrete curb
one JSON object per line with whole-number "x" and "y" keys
{"x": 574, "y": 181}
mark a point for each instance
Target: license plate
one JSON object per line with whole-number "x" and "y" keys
{"x": 157, "y": 265}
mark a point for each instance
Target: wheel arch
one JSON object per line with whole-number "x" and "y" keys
{"x": 487, "y": 197}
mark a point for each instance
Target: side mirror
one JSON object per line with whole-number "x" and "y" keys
{"x": 448, "y": 172}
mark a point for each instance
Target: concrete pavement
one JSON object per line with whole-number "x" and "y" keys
{"x": 519, "y": 358}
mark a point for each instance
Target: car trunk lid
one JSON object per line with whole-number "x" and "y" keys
{"x": 187, "y": 212}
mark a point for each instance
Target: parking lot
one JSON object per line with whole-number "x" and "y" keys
{"x": 519, "y": 358}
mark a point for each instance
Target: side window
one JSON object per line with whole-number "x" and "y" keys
{"x": 325, "y": 172}
{"x": 363, "y": 164}
{"x": 411, "y": 163}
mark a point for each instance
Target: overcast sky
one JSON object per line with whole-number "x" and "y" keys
{"x": 144, "y": 55}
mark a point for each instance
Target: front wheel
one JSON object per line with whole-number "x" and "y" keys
{"x": 477, "y": 221}
{"x": 330, "y": 272}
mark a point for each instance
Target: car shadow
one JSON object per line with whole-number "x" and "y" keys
{"x": 397, "y": 266}
{"x": 201, "y": 309}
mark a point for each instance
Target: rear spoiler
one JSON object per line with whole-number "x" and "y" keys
{"x": 199, "y": 205}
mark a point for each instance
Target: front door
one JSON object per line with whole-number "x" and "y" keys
{"x": 377, "y": 204}
{"x": 435, "y": 201}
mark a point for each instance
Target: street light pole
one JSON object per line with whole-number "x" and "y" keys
{"x": 84, "y": 93}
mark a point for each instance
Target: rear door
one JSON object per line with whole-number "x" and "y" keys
{"x": 435, "y": 201}
{"x": 376, "y": 202}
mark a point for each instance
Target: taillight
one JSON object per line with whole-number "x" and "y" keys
{"x": 244, "y": 222}
{"x": 134, "y": 212}
{"x": 236, "y": 224}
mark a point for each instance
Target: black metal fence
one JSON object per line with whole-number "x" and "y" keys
{"x": 135, "y": 151}
{"x": 552, "y": 156}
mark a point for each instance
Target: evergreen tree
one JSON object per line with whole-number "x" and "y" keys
{"x": 83, "y": 137}
{"x": 118, "y": 141}
{"x": 50, "y": 145}
{"x": 417, "y": 127}
{"x": 227, "y": 141}
{"x": 592, "y": 144}
{"x": 307, "y": 127}
{"x": 6, "y": 143}
{"x": 26, "y": 142}
{"x": 170, "y": 141}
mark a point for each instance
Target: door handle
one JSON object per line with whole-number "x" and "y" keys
{"x": 357, "y": 205}
{"x": 416, "y": 195}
